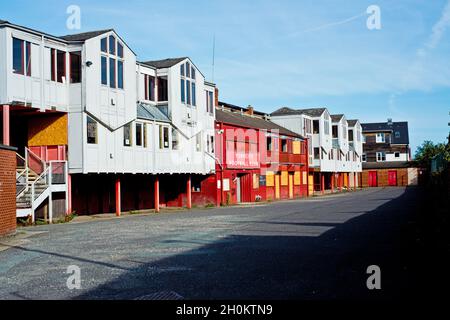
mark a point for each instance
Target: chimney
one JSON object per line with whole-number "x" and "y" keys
{"x": 216, "y": 99}
{"x": 389, "y": 122}
{"x": 250, "y": 110}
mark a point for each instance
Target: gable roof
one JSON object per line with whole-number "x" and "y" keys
{"x": 149, "y": 112}
{"x": 399, "y": 129}
{"x": 336, "y": 117}
{"x": 166, "y": 63}
{"x": 246, "y": 121}
{"x": 352, "y": 123}
{"x": 312, "y": 112}
{"x": 3, "y": 21}
{"x": 85, "y": 35}
{"x": 237, "y": 108}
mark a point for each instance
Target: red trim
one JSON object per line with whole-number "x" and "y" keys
{"x": 189, "y": 192}
{"x": 118, "y": 197}
{"x": 156, "y": 194}
{"x": 6, "y": 120}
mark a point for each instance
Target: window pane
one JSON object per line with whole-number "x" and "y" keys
{"x": 112, "y": 45}
{"x": 188, "y": 89}
{"x": 139, "y": 134}
{"x": 119, "y": 50}
{"x": 61, "y": 66}
{"x": 211, "y": 102}
{"x": 174, "y": 139}
{"x": 188, "y": 70}
{"x": 127, "y": 135}
{"x": 112, "y": 72}
{"x": 104, "y": 71}
{"x": 162, "y": 90}
{"x": 166, "y": 137}
{"x": 183, "y": 91}
{"x": 193, "y": 73}
{"x": 53, "y": 63}
{"x": 104, "y": 45}
{"x": 17, "y": 56}
{"x": 75, "y": 67}
{"x": 28, "y": 59}
{"x": 194, "y": 102}
{"x": 152, "y": 88}
{"x": 91, "y": 131}
{"x": 182, "y": 70}
{"x": 120, "y": 74}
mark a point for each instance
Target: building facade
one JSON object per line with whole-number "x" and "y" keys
{"x": 258, "y": 160}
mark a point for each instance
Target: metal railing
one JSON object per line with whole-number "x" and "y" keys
{"x": 58, "y": 170}
{"x": 40, "y": 185}
{"x": 34, "y": 162}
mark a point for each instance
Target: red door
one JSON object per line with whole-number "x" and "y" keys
{"x": 392, "y": 178}
{"x": 246, "y": 188}
{"x": 373, "y": 179}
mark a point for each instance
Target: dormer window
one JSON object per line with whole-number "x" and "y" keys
{"x": 397, "y": 134}
{"x": 380, "y": 138}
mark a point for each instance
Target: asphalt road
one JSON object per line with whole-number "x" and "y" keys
{"x": 317, "y": 248}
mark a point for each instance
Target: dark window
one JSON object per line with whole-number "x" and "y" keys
{"x": 162, "y": 90}
{"x": 397, "y": 134}
{"x": 211, "y": 102}
{"x": 350, "y": 135}
{"x": 182, "y": 70}
{"x": 151, "y": 88}
{"x": 188, "y": 89}
{"x": 104, "y": 45}
{"x": 61, "y": 66}
{"x": 119, "y": 50}
{"x": 269, "y": 143}
{"x": 335, "y": 131}
{"x": 397, "y": 154}
{"x": 91, "y": 131}
{"x": 28, "y": 59}
{"x": 120, "y": 74}
{"x": 163, "y": 137}
{"x": 127, "y": 135}
{"x": 104, "y": 71}
{"x": 196, "y": 185}
{"x": 317, "y": 153}
{"x": 188, "y": 70}
{"x": 112, "y": 72}
{"x": 284, "y": 145}
{"x": 18, "y": 56}
{"x": 316, "y": 127}
{"x": 112, "y": 45}
{"x": 139, "y": 132}
{"x": 193, "y": 73}
{"x": 75, "y": 67}
{"x": 194, "y": 99}
{"x": 183, "y": 91}
{"x": 53, "y": 64}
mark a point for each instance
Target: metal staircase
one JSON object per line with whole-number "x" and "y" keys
{"x": 35, "y": 182}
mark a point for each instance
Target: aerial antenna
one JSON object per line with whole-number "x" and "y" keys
{"x": 214, "y": 56}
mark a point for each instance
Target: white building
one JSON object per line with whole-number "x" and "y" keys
{"x": 335, "y": 162}
{"x": 85, "y": 100}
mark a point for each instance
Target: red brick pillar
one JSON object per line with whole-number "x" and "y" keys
{"x": 189, "y": 192}
{"x": 322, "y": 183}
{"x": 118, "y": 198}
{"x": 156, "y": 194}
{"x": 6, "y": 121}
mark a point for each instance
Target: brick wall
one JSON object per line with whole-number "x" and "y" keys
{"x": 383, "y": 177}
{"x": 7, "y": 190}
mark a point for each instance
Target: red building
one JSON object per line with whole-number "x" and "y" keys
{"x": 257, "y": 160}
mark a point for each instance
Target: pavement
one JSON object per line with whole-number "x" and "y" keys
{"x": 316, "y": 248}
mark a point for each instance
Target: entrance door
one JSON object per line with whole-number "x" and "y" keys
{"x": 291, "y": 186}
{"x": 392, "y": 178}
{"x": 277, "y": 186}
{"x": 238, "y": 190}
{"x": 246, "y": 187}
{"x": 373, "y": 179}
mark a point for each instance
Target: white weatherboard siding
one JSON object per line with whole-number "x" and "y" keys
{"x": 402, "y": 157}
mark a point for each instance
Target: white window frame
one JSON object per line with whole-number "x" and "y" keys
{"x": 380, "y": 137}
{"x": 380, "y": 156}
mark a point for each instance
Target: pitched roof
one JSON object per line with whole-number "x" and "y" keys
{"x": 166, "y": 63}
{"x": 85, "y": 35}
{"x": 3, "y": 21}
{"x": 336, "y": 117}
{"x": 352, "y": 123}
{"x": 238, "y": 108}
{"x": 399, "y": 129}
{"x": 246, "y": 121}
{"x": 149, "y": 112}
{"x": 387, "y": 165}
{"x": 313, "y": 112}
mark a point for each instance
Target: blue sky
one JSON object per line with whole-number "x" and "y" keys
{"x": 289, "y": 53}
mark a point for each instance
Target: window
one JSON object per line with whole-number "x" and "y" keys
{"x": 112, "y": 45}
{"x": 316, "y": 127}
{"x": 104, "y": 71}
{"x": 380, "y": 137}
{"x": 198, "y": 142}
{"x": 350, "y": 135}
{"x": 196, "y": 185}
{"x": 211, "y": 138}
{"x": 182, "y": 70}
{"x": 397, "y": 154}
{"x": 381, "y": 156}
{"x": 364, "y": 138}
{"x": 149, "y": 85}
{"x": 193, "y": 73}
{"x": 335, "y": 132}
{"x": 104, "y": 45}
{"x": 120, "y": 74}
{"x": 75, "y": 67}
{"x": 119, "y": 50}
{"x": 145, "y": 136}
{"x": 269, "y": 143}
{"x": 139, "y": 135}
{"x": 91, "y": 131}
{"x": 53, "y": 64}
{"x": 18, "y": 67}
{"x": 28, "y": 59}
{"x": 175, "y": 142}
{"x": 112, "y": 73}
{"x": 397, "y": 134}
{"x": 316, "y": 153}
{"x": 284, "y": 145}
{"x": 183, "y": 91}
{"x": 188, "y": 86}
{"x": 163, "y": 137}
{"x": 211, "y": 102}
{"x": 188, "y": 70}
{"x": 194, "y": 100}
{"x": 162, "y": 90}
{"x": 61, "y": 66}
{"x": 327, "y": 124}
{"x": 127, "y": 135}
